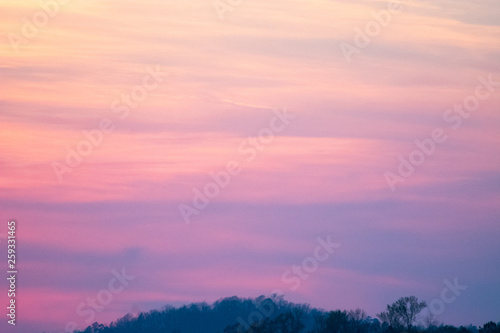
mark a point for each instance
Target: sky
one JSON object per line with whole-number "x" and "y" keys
{"x": 343, "y": 153}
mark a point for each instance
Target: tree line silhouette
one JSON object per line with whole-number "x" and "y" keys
{"x": 276, "y": 315}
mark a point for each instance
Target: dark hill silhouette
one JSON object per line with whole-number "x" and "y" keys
{"x": 268, "y": 315}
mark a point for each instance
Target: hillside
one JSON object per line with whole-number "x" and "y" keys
{"x": 269, "y": 315}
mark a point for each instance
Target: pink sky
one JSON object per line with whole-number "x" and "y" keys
{"x": 218, "y": 85}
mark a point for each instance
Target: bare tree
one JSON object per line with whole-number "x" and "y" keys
{"x": 357, "y": 315}
{"x": 430, "y": 320}
{"x": 402, "y": 313}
